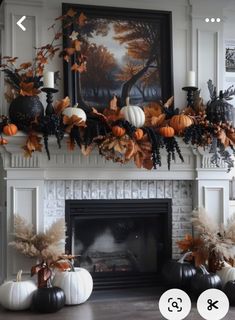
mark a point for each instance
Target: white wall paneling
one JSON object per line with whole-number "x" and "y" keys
{"x": 25, "y": 198}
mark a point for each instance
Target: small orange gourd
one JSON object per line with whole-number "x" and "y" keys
{"x": 118, "y": 131}
{"x": 10, "y": 129}
{"x": 3, "y": 141}
{"x": 180, "y": 121}
{"x": 138, "y": 134}
{"x": 167, "y": 132}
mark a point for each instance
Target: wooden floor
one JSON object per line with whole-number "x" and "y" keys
{"x": 135, "y": 304}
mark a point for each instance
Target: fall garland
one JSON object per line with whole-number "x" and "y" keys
{"x": 122, "y": 134}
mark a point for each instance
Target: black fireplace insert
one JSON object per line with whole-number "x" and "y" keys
{"x": 122, "y": 243}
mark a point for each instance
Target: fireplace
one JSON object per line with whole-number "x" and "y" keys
{"x": 123, "y": 243}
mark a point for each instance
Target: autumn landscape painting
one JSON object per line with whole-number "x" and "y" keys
{"x": 125, "y": 52}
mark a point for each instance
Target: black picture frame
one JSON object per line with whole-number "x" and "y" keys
{"x": 157, "y": 54}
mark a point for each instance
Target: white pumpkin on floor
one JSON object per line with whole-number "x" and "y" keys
{"x": 227, "y": 273}
{"x": 17, "y": 295}
{"x": 133, "y": 114}
{"x": 77, "y": 285}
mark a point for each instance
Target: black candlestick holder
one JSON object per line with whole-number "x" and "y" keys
{"x": 190, "y": 95}
{"x": 49, "y": 92}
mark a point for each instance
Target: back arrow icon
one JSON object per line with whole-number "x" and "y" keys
{"x": 19, "y": 23}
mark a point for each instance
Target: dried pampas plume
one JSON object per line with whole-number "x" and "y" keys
{"x": 47, "y": 245}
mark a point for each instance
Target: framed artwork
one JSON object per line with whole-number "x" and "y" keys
{"x": 128, "y": 52}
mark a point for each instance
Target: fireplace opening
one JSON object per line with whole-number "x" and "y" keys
{"x": 122, "y": 243}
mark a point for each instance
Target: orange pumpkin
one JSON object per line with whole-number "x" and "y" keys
{"x": 10, "y": 129}
{"x": 3, "y": 141}
{"x": 167, "y": 132}
{"x": 118, "y": 131}
{"x": 180, "y": 121}
{"x": 138, "y": 134}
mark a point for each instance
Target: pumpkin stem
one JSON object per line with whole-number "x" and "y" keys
{"x": 181, "y": 260}
{"x": 127, "y": 101}
{"x": 76, "y": 105}
{"x": 18, "y": 276}
{"x": 203, "y": 269}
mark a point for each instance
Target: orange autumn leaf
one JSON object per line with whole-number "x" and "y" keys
{"x": 189, "y": 243}
{"x": 77, "y": 45}
{"x": 62, "y": 265}
{"x": 58, "y": 35}
{"x": 25, "y": 65}
{"x": 223, "y": 138}
{"x": 58, "y": 18}
{"x": 42, "y": 59}
{"x": 28, "y": 89}
{"x": 12, "y": 60}
{"x": 3, "y": 141}
{"x": 70, "y": 51}
{"x": 71, "y": 144}
{"x": 78, "y": 68}
{"x": 99, "y": 115}
{"x": 82, "y": 19}
{"x": 32, "y": 144}
{"x": 67, "y": 58}
{"x": 71, "y": 13}
{"x": 60, "y": 105}
{"x": 29, "y": 73}
{"x": 72, "y": 121}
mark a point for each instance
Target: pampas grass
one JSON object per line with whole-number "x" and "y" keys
{"x": 218, "y": 240}
{"x": 48, "y": 245}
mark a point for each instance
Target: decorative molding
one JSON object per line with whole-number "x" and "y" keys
{"x": 213, "y": 202}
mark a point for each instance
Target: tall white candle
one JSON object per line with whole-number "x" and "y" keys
{"x": 191, "y": 82}
{"x": 48, "y": 79}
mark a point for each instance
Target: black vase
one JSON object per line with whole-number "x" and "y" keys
{"x": 23, "y": 110}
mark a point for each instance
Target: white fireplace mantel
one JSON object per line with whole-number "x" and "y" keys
{"x": 25, "y": 180}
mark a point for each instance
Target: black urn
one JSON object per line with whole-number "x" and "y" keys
{"x": 219, "y": 110}
{"x": 24, "y": 109}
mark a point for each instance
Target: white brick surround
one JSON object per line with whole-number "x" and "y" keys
{"x": 180, "y": 192}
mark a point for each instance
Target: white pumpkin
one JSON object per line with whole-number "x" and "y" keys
{"x": 227, "y": 273}
{"x": 77, "y": 285}
{"x": 71, "y": 111}
{"x": 133, "y": 114}
{"x": 17, "y": 295}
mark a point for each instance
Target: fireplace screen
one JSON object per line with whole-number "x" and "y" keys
{"x": 120, "y": 239}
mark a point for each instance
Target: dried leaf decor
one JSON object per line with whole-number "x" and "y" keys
{"x": 46, "y": 246}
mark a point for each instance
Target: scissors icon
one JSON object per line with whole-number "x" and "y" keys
{"x": 212, "y": 304}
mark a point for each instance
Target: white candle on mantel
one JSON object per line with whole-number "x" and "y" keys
{"x": 191, "y": 82}
{"x": 48, "y": 79}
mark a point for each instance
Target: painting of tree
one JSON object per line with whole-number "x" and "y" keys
{"x": 128, "y": 54}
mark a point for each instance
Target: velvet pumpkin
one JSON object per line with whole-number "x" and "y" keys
{"x": 118, "y": 131}
{"x": 71, "y": 111}
{"x": 219, "y": 110}
{"x": 138, "y": 134}
{"x": 180, "y": 121}
{"x": 178, "y": 274}
{"x": 17, "y": 295}
{"x": 204, "y": 280}
{"x": 227, "y": 273}
{"x": 167, "y": 132}
{"x": 10, "y": 129}
{"x": 133, "y": 114}
{"x": 77, "y": 285}
{"x": 48, "y": 300}
{"x": 229, "y": 290}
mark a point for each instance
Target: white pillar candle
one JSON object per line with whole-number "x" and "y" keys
{"x": 48, "y": 79}
{"x": 191, "y": 82}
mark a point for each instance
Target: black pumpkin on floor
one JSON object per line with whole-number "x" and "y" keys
{"x": 48, "y": 300}
{"x": 204, "y": 280}
{"x": 229, "y": 290}
{"x": 178, "y": 274}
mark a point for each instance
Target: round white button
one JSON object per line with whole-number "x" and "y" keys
{"x": 213, "y": 304}
{"x": 174, "y": 304}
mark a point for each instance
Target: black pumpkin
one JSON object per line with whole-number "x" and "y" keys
{"x": 204, "y": 280}
{"x": 219, "y": 110}
{"x": 177, "y": 274}
{"x": 229, "y": 290}
{"x": 48, "y": 300}
{"x": 24, "y": 109}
